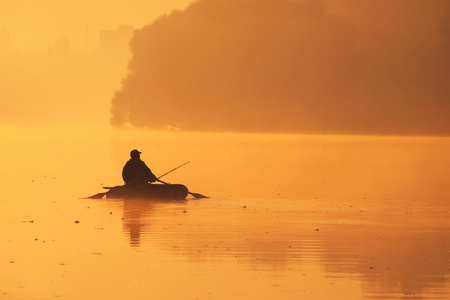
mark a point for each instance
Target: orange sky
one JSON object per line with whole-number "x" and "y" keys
{"x": 333, "y": 66}
{"x": 34, "y": 25}
{"x": 51, "y": 68}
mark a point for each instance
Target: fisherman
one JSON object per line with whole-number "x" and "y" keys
{"x": 136, "y": 171}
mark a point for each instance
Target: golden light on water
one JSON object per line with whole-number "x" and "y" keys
{"x": 291, "y": 215}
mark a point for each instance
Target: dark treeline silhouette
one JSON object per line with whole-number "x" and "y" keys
{"x": 350, "y": 66}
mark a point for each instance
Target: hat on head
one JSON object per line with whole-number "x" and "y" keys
{"x": 135, "y": 153}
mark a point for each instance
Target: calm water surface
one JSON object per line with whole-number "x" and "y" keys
{"x": 290, "y": 217}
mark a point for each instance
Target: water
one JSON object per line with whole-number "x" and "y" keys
{"x": 290, "y": 216}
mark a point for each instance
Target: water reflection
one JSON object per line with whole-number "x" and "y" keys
{"x": 390, "y": 255}
{"x": 137, "y": 216}
{"x": 389, "y": 259}
{"x": 331, "y": 217}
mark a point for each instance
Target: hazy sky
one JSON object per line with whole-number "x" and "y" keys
{"x": 334, "y": 66}
{"x": 41, "y": 85}
{"x": 357, "y": 66}
{"x": 35, "y": 25}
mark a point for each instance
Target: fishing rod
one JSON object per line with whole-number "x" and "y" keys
{"x": 196, "y": 195}
{"x": 173, "y": 170}
{"x": 157, "y": 179}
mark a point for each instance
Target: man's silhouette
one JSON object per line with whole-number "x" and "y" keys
{"x": 136, "y": 171}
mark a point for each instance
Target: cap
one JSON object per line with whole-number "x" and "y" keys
{"x": 134, "y": 153}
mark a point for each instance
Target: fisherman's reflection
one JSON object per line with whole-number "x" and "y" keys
{"x": 137, "y": 217}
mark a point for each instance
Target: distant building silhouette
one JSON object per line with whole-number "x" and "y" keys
{"x": 116, "y": 41}
{"x": 62, "y": 46}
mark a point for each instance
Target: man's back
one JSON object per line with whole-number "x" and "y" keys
{"x": 136, "y": 171}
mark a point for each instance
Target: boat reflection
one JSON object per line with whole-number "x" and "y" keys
{"x": 137, "y": 217}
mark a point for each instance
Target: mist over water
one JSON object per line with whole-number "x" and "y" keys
{"x": 306, "y": 216}
{"x": 366, "y": 67}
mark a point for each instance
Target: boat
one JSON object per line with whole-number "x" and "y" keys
{"x": 148, "y": 191}
{"x": 165, "y": 191}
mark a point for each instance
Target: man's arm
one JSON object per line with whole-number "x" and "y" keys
{"x": 150, "y": 176}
